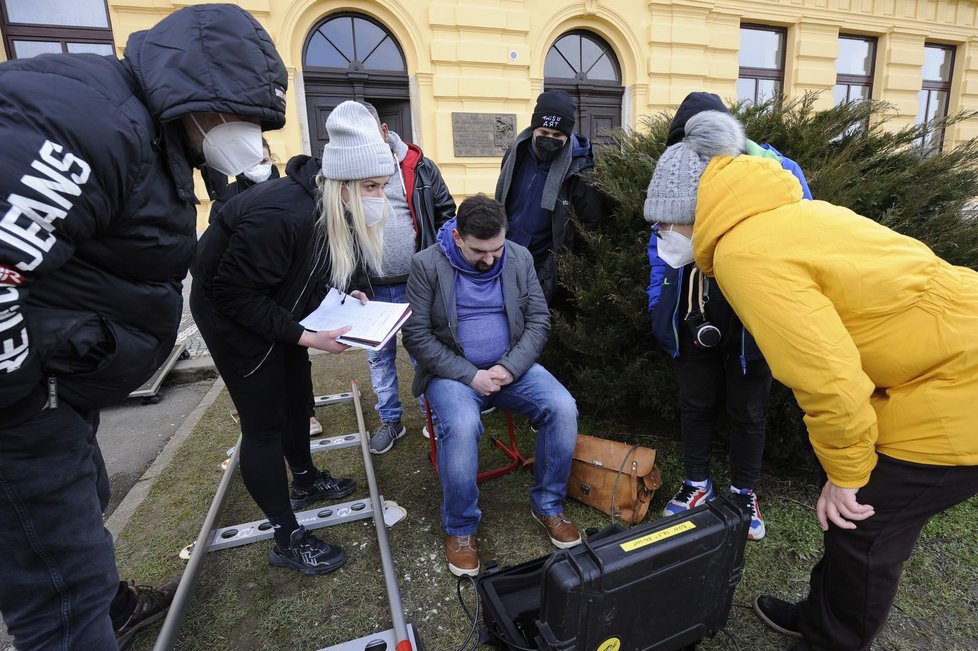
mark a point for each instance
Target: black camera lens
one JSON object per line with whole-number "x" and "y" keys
{"x": 705, "y": 334}
{"x": 708, "y": 335}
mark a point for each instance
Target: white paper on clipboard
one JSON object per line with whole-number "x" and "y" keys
{"x": 373, "y": 324}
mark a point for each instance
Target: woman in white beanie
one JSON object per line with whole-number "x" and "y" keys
{"x": 262, "y": 266}
{"x": 872, "y": 332}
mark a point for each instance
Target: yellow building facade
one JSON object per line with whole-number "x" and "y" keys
{"x": 468, "y": 59}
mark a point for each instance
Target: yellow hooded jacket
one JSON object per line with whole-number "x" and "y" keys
{"x": 876, "y": 336}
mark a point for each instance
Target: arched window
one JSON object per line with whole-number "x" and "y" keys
{"x": 585, "y": 66}
{"x": 352, "y": 56}
{"x": 582, "y": 56}
{"x": 352, "y": 42}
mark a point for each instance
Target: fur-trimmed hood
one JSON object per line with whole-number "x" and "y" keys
{"x": 712, "y": 133}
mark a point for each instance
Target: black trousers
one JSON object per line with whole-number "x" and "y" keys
{"x": 853, "y": 585}
{"x": 707, "y": 378}
{"x": 57, "y": 561}
{"x": 273, "y": 406}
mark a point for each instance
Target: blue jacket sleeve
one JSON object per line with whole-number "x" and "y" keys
{"x": 794, "y": 168}
{"x": 657, "y": 272}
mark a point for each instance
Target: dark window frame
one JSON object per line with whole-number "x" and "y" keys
{"x": 775, "y": 74}
{"x": 860, "y": 80}
{"x": 929, "y": 141}
{"x": 53, "y": 33}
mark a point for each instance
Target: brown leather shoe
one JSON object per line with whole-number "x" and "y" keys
{"x": 563, "y": 534}
{"x": 463, "y": 558}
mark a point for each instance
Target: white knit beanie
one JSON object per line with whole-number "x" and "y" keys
{"x": 355, "y": 150}
{"x": 671, "y": 197}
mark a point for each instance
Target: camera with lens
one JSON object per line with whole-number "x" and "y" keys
{"x": 705, "y": 334}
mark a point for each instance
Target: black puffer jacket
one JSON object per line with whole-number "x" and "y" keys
{"x": 256, "y": 267}
{"x": 98, "y": 197}
{"x": 231, "y": 190}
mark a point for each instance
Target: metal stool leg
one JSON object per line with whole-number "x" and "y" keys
{"x": 510, "y": 450}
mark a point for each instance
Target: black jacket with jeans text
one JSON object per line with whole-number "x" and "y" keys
{"x": 97, "y": 216}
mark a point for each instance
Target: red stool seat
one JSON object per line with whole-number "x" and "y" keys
{"x": 510, "y": 450}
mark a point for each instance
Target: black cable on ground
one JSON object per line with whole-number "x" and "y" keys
{"x": 474, "y": 618}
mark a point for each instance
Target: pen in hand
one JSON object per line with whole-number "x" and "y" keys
{"x": 357, "y": 294}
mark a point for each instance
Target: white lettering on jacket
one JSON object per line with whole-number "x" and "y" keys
{"x": 13, "y": 349}
{"x": 28, "y": 227}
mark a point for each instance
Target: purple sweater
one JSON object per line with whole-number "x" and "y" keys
{"x": 483, "y": 330}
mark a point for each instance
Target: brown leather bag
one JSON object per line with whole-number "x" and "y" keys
{"x": 612, "y": 476}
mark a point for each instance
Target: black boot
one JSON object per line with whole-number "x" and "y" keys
{"x": 778, "y": 614}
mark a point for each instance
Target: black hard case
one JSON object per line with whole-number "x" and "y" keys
{"x": 660, "y": 586}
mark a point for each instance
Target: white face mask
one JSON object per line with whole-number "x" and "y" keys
{"x": 373, "y": 209}
{"x": 259, "y": 173}
{"x": 232, "y": 147}
{"x": 675, "y": 249}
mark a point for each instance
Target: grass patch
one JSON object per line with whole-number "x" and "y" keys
{"x": 241, "y": 602}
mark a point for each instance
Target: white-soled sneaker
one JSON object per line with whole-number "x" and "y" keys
{"x": 689, "y": 496}
{"x": 749, "y": 501}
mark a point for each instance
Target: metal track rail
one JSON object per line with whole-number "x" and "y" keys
{"x": 174, "y": 618}
{"x": 332, "y": 399}
{"x": 402, "y": 640}
{"x": 249, "y": 532}
{"x": 402, "y": 636}
{"x": 328, "y": 443}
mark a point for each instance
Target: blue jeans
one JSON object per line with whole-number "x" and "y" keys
{"x": 538, "y": 396}
{"x": 383, "y": 363}
{"x": 57, "y": 561}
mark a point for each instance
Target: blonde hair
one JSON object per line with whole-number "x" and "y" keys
{"x": 341, "y": 228}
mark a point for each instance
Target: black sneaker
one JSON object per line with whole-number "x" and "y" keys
{"x": 307, "y": 554}
{"x": 780, "y": 615}
{"x": 324, "y": 488}
{"x": 152, "y": 605}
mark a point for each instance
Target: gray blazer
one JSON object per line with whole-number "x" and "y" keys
{"x": 430, "y": 335}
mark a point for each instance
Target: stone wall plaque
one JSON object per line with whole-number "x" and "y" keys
{"x": 482, "y": 134}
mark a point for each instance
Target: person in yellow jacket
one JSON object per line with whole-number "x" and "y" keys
{"x": 876, "y": 337}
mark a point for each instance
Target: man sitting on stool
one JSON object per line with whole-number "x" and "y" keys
{"x": 480, "y": 321}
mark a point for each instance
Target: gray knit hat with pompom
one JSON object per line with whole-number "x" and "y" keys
{"x": 671, "y": 197}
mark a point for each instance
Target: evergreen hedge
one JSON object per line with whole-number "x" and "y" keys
{"x": 601, "y": 344}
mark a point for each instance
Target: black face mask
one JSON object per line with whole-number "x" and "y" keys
{"x": 547, "y": 148}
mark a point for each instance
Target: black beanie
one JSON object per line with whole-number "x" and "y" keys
{"x": 693, "y": 104}
{"x": 554, "y": 110}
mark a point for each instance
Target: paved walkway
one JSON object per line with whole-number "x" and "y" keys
{"x": 188, "y": 329}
